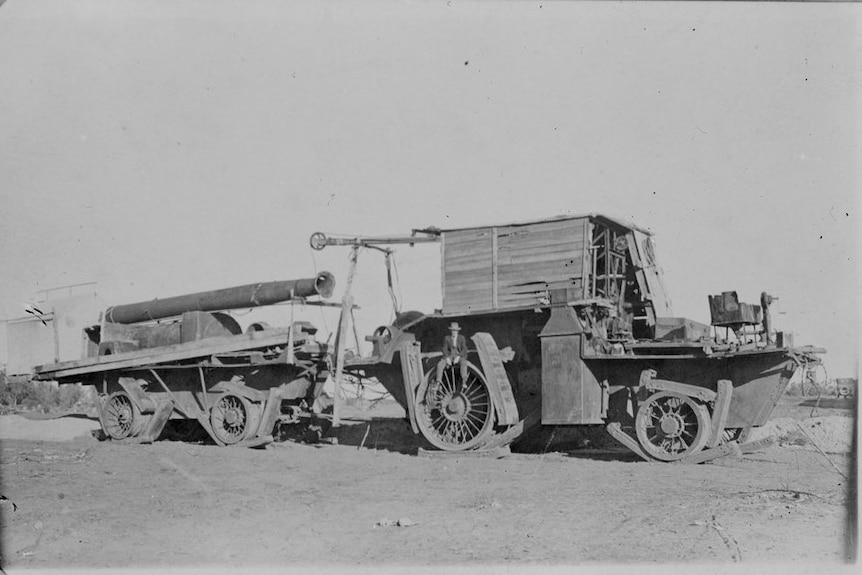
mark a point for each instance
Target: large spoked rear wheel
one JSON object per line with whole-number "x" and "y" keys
{"x": 234, "y": 418}
{"x": 120, "y": 417}
{"x": 671, "y": 426}
{"x": 462, "y": 416}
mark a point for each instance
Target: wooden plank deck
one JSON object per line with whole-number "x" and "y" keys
{"x": 171, "y": 353}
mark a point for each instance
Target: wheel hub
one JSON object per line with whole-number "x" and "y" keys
{"x": 672, "y": 425}
{"x": 231, "y": 417}
{"x": 455, "y": 408}
{"x": 124, "y": 416}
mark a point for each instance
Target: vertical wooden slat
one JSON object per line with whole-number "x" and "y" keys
{"x": 443, "y": 269}
{"x": 494, "y": 289}
{"x": 588, "y": 256}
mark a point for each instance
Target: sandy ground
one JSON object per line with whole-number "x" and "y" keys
{"x": 44, "y": 429}
{"x": 79, "y": 502}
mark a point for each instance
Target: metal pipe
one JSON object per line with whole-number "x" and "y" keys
{"x": 319, "y": 240}
{"x": 251, "y": 295}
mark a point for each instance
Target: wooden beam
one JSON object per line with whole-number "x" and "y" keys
{"x": 757, "y": 445}
{"x": 346, "y": 304}
{"x": 729, "y": 448}
{"x": 514, "y": 432}
{"x": 617, "y": 433}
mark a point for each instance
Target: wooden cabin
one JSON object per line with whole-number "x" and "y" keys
{"x": 548, "y": 262}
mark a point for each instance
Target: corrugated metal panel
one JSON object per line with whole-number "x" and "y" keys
{"x": 512, "y": 266}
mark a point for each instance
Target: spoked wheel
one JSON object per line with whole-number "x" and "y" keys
{"x": 462, "y": 416}
{"x": 234, "y": 418}
{"x": 671, "y": 426}
{"x": 120, "y": 417}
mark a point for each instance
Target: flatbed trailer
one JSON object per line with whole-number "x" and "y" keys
{"x": 184, "y": 358}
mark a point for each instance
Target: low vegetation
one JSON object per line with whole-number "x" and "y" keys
{"x": 44, "y": 396}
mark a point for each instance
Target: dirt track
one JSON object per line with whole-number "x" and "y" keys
{"x": 84, "y": 503}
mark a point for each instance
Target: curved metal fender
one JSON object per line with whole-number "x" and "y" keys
{"x": 238, "y": 387}
{"x": 647, "y": 382}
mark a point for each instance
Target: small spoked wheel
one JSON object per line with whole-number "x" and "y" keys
{"x": 460, "y": 415}
{"x": 120, "y": 417}
{"x": 671, "y": 426}
{"x": 233, "y": 418}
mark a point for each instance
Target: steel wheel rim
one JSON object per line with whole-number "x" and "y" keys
{"x": 119, "y": 416}
{"x": 229, "y": 418}
{"x": 671, "y": 426}
{"x": 464, "y": 415}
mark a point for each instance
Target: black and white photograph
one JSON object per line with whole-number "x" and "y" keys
{"x": 448, "y": 285}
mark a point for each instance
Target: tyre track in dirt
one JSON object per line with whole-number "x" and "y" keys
{"x": 84, "y": 503}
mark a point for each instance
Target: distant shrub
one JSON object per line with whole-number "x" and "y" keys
{"x": 13, "y": 392}
{"x": 70, "y": 396}
{"x": 46, "y": 396}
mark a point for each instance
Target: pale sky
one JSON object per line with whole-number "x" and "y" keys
{"x": 161, "y": 147}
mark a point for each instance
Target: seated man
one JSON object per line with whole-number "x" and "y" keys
{"x": 454, "y": 353}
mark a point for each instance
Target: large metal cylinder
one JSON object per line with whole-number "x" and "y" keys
{"x": 252, "y": 295}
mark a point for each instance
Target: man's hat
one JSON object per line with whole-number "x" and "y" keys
{"x": 454, "y": 326}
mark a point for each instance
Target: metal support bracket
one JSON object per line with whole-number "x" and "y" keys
{"x": 158, "y": 421}
{"x": 411, "y": 373}
{"x": 720, "y": 411}
{"x": 270, "y": 413}
{"x": 495, "y": 376}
